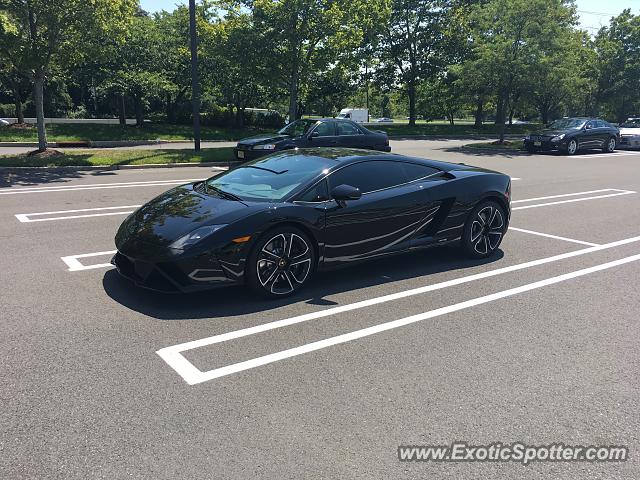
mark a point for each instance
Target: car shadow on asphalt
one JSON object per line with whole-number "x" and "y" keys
{"x": 238, "y": 300}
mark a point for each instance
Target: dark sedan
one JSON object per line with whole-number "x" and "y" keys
{"x": 271, "y": 223}
{"x": 569, "y": 135}
{"x": 307, "y": 133}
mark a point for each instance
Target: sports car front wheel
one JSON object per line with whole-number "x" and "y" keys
{"x": 484, "y": 230}
{"x": 281, "y": 262}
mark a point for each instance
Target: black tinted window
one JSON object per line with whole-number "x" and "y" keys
{"x": 318, "y": 193}
{"x": 324, "y": 129}
{"x": 414, "y": 171}
{"x": 348, "y": 128}
{"x": 370, "y": 176}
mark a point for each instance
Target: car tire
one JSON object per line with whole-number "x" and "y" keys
{"x": 610, "y": 145}
{"x": 484, "y": 229}
{"x": 572, "y": 147}
{"x": 531, "y": 149}
{"x": 281, "y": 262}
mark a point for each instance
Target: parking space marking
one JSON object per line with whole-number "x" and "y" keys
{"x": 173, "y": 355}
{"x": 573, "y": 200}
{"x": 556, "y": 237}
{"x": 26, "y": 217}
{"x": 75, "y": 265}
{"x": 619, "y": 153}
{"x": 576, "y": 194}
{"x": 95, "y": 186}
{"x": 194, "y": 376}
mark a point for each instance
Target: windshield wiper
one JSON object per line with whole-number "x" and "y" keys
{"x": 264, "y": 169}
{"x": 222, "y": 193}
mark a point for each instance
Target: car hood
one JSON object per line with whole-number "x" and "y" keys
{"x": 175, "y": 213}
{"x": 629, "y": 131}
{"x": 262, "y": 139}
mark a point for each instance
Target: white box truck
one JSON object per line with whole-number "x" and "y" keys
{"x": 358, "y": 115}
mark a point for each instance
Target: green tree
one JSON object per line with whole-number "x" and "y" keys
{"x": 60, "y": 31}
{"x": 508, "y": 36}
{"x": 618, "y": 50}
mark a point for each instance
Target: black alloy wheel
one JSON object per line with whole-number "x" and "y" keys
{"x": 484, "y": 230}
{"x": 281, "y": 262}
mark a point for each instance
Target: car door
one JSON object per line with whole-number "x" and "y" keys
{"x": 323, "y": 134}
{"x": 590, "y": 137}
{"x": 350, "y": 135}
{"x": 389, "y": 214}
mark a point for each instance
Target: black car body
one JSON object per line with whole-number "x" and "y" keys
{"x": 570, "y": 135}
{"x": 308, "y": 133}
{"x": 347, "y": 206}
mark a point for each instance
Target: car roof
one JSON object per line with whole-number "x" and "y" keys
{"x": 345, "y": 156}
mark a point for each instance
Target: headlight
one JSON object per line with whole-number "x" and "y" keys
{"x": 267, "y": 146}
{"x": 528, "y": 137}
{"x": 194, "y": 237}
{"x": 558, "y": 138}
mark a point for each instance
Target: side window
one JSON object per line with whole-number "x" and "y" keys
{"x": 348, "y": 128}
{"x": 324, "y": 129}
{"x": 413, "y": 171}
{"x": 370, "y": 176}
{"x": 319, "y": 193}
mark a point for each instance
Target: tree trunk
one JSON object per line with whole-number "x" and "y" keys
{"x": 293, "y": 95}
{"x": 501, "y": 114}
{"x": 544, "y": 113}
{"x": 38, "y": 97}
{"x": 451, "y": 119}
{"x": 122, "y": 113}
{"x": 139, "y": 112}
{"x": 511, "y": 113}
{"x": 411, "y": 92}
{"x": 17, "y": 99}
{"x": 479, "y": 113}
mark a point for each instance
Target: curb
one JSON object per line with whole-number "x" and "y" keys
{"x": 117, "y": 167}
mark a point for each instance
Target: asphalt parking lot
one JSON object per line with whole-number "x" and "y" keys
{"x": 539, "y": 344}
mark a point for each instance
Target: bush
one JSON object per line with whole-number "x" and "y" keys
{"x": 217, "y": 117}
{"x": 78, "y": 112}
{"x": 7, "y": 110}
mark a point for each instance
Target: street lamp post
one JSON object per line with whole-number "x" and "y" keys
{"x": 195, "y": 83}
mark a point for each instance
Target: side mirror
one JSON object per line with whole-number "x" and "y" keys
{"x": 314, "y": 135}
{"x": 342, "y": 193}
{"x": 588, "y": 126}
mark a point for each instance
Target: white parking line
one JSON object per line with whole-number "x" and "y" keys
{"x": 25, "y": 217}
{"x": 573, "y": 200}
{"x": 576, "y": 194}
{"x": 192, "y": 375}
{"x": 75, "y": 265}
{"x": 556, "y": 237}
{"x": 95, "y": 186}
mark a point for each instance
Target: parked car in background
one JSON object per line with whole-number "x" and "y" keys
{"x": 308, "y": 133}
{"x": 630, "y": 133}
{"x": 3, "y": 122}
{"x": 358, "y": 115}
{"x": 569, "y": 135}
{"x": 384, "y": 120}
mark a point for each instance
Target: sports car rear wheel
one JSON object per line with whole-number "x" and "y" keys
{"x": 484, "y": 230}
{"x": 281, "y": 262}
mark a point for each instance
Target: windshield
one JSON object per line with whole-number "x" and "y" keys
{"x": 631, "y": 123}
{"x": 271, "y": 178}
{"x": 298, "y": 128}
{"x": 565, "y": 123}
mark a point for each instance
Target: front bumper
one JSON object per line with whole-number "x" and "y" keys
{"x": 629, "y": 141}
{"x": 243, "y": 154}
{"x": 189, "y": 275}
{"x": 544, "y": 145}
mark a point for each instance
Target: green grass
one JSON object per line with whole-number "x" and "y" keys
{"x": 57, "y": 132}
{"x": 506, "y": 146}
{"x": 444, "y": 129}
{"x": 79, "y": 132}
{"x": 117, "y": 157}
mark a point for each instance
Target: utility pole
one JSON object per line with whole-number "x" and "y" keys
{"x": 195, "y": 82}
{"x": 366, "y": 79}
